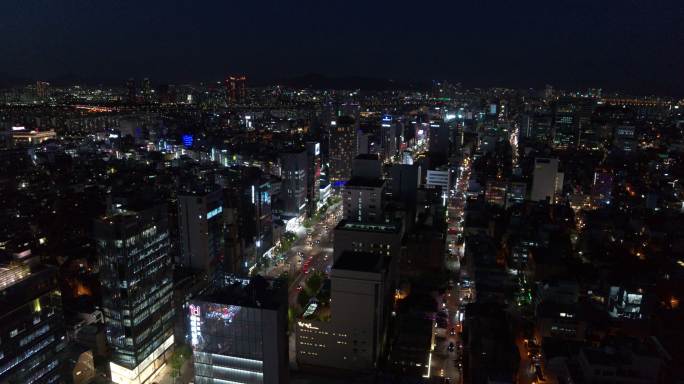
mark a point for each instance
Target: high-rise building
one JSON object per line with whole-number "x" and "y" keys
{"x": 389, "y": 134}
{"x": 382, "y": 238}
{"x": 294, "y": 166}
{"x": 236, "y": 89}
{"x": 42, "y": 89}
{"x": 404, "y": 182}
{"x": 31, "y": 324}
{"x": 343, "y": 148}
{"x": 438, "y": 138}
{"x": 313, "y": 176}
{"x": 238, "y": 333}
{"x": 200, "y": 226}
{"x": 545, "y": 179}
{"x": 362, "y": 285}
{"x": 131, "y": 91}
{"x": 364, "y": 142}
{"x": 602, "y": 189}
{"x": 256, "y": 215}
{"x": 137, "y": 281}
{"x": 362, "y": 195}
{"x": 146, "y": 90}
{"x": 565, "y": 124}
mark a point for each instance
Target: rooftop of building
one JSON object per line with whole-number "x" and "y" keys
{"x": 365, "y": 182}
{"x": 199, "y": 189}
{"x": 392, "y": 227}
{"x": 257, "y": 292}
{"x": 361, "y": 262}
{"x": 368, "y": 156}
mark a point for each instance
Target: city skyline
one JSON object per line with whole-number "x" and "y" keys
{"x": 626, "y": 47}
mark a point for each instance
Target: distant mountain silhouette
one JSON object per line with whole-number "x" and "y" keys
{"x": 319, "y": 81}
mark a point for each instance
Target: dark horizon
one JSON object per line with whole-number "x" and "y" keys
{"x": 625, "y": 47}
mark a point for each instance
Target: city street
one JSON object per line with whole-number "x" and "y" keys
{"x": 447, "y": 355}
{"x": 315, "y": 245}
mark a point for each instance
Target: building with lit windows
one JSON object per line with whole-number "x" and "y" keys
{"x": 236, "y": 89}
{"x": 31, "y": 325}
{"x": 565, "y": 124}
{"x": 238, "y": 333}
{"x": 136, "y": 277}
{"x": 362, "y": 195}
{"x": 294, "y": 166}
{"x": 313, "y": 176}
{"x": 343, "y": 147}
{"x": 496, "y": 192}
{"x": 354, "y": 335}
{"x": 389, "y": 134}
{"x": 200, "y": 226}
{"x": 602, "y": 188}
{"x": 385, "y": 238}
{"x": 22, "y": 136}
{"x": 438, "y": 178}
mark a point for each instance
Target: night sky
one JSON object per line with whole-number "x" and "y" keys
{"x": 636, "y": 46}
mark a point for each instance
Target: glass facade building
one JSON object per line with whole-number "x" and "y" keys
{"x": 31, "y": 325}
{"x": 238, "y": 336}
{"x": 136, "y": 278}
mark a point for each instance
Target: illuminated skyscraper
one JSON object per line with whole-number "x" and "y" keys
{"x": 31, "y": 323}
{"x": 238, "y": 333}
{"x": 236, "y": 89}
{"x": 343, "y": 148}
{"x": 136, "y": 278}
{"x": 293, "y": 191}
{"x": 389, "y": 133}
{"x": 565, "y": 124}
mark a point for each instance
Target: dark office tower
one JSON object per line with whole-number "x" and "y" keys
{"x": 388, "y": 137}
{"x": 313, "y": 176}
{"x": 256, "y": 217}
{"x": 293, "y": 191}
{"x": 439, "y": 139}
{"x": 342, "y": 148}
{"x": 136, "y": 278}
{"x": 167, "y": 93}
{"x": 146, "y": 90}
{"x": 236, "y": 89}
{"x": 565, "y": 124}
{"x": 42, "y": 89}
{"x": 130, "y": 88}
{"x": 404, "y": 182}
{"x": 238, "y": 333}
{"x": 31, "y": 323}
{"x": 602, "y": 189}
{"x": 200, "y": 225}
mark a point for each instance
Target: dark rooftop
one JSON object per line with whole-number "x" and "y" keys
{"x": 365, "y": 182}
{"x": 259, "y": 292}
{"x": 361, "y": 262}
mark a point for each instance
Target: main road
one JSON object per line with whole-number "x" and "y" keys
{"x": 316, "y": 246}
